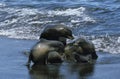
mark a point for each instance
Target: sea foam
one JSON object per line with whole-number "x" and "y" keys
{"x": 107, "y": 44}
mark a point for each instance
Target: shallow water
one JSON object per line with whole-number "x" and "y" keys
{"x": 21, "y": 22}
{"x": 13, "y": 60}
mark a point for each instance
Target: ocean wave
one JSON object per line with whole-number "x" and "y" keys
{"x": 19, "y": 33}
{"x": 32, "y": 18}
{"x": 77, "y": 14}
{"x": 107, "y": 44}
{"x": 2, "y": 5}
{"x": 68, "y": 12}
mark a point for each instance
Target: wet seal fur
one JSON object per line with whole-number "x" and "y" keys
{"x": 57, "y": 32}
{"x": 46, "y": 51}
{"x": 80, "y": 50}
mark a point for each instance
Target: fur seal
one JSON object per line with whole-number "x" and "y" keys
{"x": 54, "y": 57}
{"x": 46, "y": 51}
{"x": 80, "y": 50}
{"x": 87, "y": 47}
{"x": 57, "y": 32}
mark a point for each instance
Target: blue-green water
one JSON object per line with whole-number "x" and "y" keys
{"x": 23, "y": 21}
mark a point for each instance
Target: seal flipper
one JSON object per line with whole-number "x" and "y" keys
{"x": 29, "y": 61}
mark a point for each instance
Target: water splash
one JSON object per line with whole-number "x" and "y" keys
{"x": 109, "y": 44}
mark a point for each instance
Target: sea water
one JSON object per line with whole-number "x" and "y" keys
{"x": 21, "y": 23}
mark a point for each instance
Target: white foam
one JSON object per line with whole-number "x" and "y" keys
{"x": 23, "y": 15}
{"x": 77, "y": 13}
{"x": 19, "y": 33}
{"x": 39, "y": 22}
{"x": 20, "y": 11}
{"x": 8, "y": 22}
{"x": 2, "y": 5}
{"x": 87, "y": 18}
{"x": 111, "y": 45}
{"x": 118, "y": 40}
{"x": 26, "y": 11}
{"x": 68, "y": 12}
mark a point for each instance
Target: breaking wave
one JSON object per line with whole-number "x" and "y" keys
{"x": 27, "y": 23}
{"x": 108, "y": 44}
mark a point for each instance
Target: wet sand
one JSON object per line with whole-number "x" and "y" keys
{"x": 13, "y": 60}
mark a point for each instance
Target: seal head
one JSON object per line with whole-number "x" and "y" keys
{"x": 57, "y": 32}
